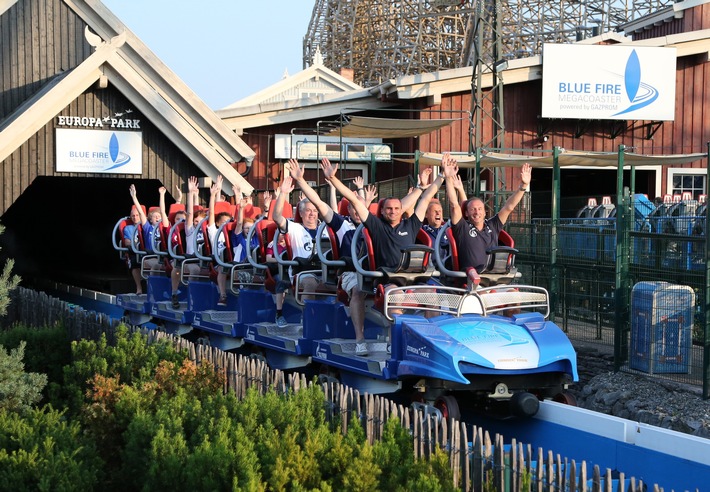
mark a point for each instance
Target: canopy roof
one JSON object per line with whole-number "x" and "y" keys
{"x": 565, "y": 158}
{"x": 363, "y": 126}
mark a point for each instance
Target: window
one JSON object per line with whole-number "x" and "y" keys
{"x": 690, "y": 180}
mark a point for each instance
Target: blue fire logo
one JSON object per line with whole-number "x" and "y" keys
{"x": 639, "y": 93}
{"x": 117, "y": 157}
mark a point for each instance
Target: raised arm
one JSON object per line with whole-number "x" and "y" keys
{"x": 137, "y": 204}
{"x": 450, "y": 174}
{"x": 410, "y": 201}
{"x": 359, "y": 183}
{"x": 370, "y": 194}
{"x": 286, "y": 189}
{"x": 266, "y": 197}
{"x": 429, "y": 193}
{"x": 330, "y": 173}
{"x": 192, "y": 191}
{"x": 332, "y": 197}
{"x": 215, "y": 191}
{"x": 178, "y": 194}
{"x": 297, "y": 173}
{"x": 163, "y": 214}
{"x": 514, "y": 199}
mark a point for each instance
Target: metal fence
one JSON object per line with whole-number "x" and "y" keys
{"x": 625, "y": 283}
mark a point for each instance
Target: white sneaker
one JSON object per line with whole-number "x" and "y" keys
{"x": 281, "y": 322}
{"x": 361, "y": 349}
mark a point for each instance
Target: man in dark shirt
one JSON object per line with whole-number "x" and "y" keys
{"x": 390, "y": 233}
{"x": 474, "y": 233}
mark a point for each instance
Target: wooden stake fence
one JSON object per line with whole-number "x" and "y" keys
{"x": 477, "y": 462}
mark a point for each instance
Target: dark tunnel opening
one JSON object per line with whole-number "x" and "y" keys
{"x": 60, "y": 230}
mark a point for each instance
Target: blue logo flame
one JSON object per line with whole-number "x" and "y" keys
{"x": 639, "y": 93}
{"x": 117, "y": 157}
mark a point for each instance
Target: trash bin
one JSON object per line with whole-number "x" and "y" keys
{"x": 661, "y": 327}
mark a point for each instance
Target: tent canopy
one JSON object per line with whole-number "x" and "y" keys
{"x": 363, "y": 126}
{"x": 566, "y": 158}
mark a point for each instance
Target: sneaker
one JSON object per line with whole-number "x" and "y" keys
{"x": 222, "y": 301}
{"x": 175, "y": 301}
{"x": 281, "y": 322}
{"x": 361, "y": 349}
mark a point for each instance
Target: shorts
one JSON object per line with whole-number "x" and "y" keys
{"x": 133, "y": 262}
{"x": 348, "y": 281}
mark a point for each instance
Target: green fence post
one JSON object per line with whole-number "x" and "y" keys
{"x": 554, "y": 239}
{"x": 621, "y": 266}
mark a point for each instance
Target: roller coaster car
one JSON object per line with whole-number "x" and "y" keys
{"x": 456, "y": 344}
{"x": 137, "y": 306}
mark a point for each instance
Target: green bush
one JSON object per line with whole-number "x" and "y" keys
{"x": 40, "y": 450}
{"x": 131, "y": 359}
{"x": 144, "y": 417}
{"x": 19, "y": 390}
{"x": 47, "y": 351}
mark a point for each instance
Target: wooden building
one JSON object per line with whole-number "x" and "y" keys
{"x": 73, "y": 78}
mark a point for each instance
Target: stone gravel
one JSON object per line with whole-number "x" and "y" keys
{"x": 639, "y": 397}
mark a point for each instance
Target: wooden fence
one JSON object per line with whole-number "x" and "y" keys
{"x": 478, "y": 463}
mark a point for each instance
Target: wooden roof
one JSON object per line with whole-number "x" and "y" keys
{"x": 121, "y": 59}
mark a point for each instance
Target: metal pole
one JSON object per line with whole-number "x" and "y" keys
{"x": 621, "y": 266}
{"x": 554, "y": 239}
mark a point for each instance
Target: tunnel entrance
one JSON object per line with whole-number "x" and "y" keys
{"x": 60, "y": 230}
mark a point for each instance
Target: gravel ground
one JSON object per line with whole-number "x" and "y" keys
{"x": 638, "y": 397}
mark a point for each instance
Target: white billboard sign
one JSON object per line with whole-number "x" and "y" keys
{"x": 99, "y": 151}
{"x": 608, "y": 82}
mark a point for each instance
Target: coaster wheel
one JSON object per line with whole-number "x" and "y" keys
{"x": 448, "y": 406}
{"x": 565, "y": 398}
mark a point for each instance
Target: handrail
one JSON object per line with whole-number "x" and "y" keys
{"x": 357, "y": 262}
{"x": 440, "y": 262}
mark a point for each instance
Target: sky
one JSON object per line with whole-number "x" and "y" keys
{"x": 224, "y": 50}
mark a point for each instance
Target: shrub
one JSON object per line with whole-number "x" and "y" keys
{"x": 8, "y": 282}
{"x": 47, "y": 351}
{"x": 40, "y": 450}
{"x": 19, "y": 390}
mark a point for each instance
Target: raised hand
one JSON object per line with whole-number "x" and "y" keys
{"x": 162, "y": 190}
{"x": 328, "y": 169}
{"x": 192, "y": 184}
{"x": 132, "y": 190}
{"x": 295, "y": 169}
{"x": 178, "y": 194}
{"x": 287, "y": 185}
{"x": 370, "y": 194}
{"x": 359, "y": 182}
{"x": 267, "y": 199}
{"x": 237, "y": 192}
{"x": 423, "y": 180}
{"x": 216, "y": 187}
{"x": 526, "y": 173}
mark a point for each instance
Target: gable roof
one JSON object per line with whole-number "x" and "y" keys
{"x": 315, "y": 81}
{"x": 148, "y": 83}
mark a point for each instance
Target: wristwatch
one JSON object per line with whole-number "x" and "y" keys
{"x": 523, "y": 188}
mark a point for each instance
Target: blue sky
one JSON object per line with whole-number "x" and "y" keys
{"x": 223, "y": 49}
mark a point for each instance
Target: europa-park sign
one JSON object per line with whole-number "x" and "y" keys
{"x": 110, "y": 144}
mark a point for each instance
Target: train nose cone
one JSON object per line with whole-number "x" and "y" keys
{"x": 524, "y": 404}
